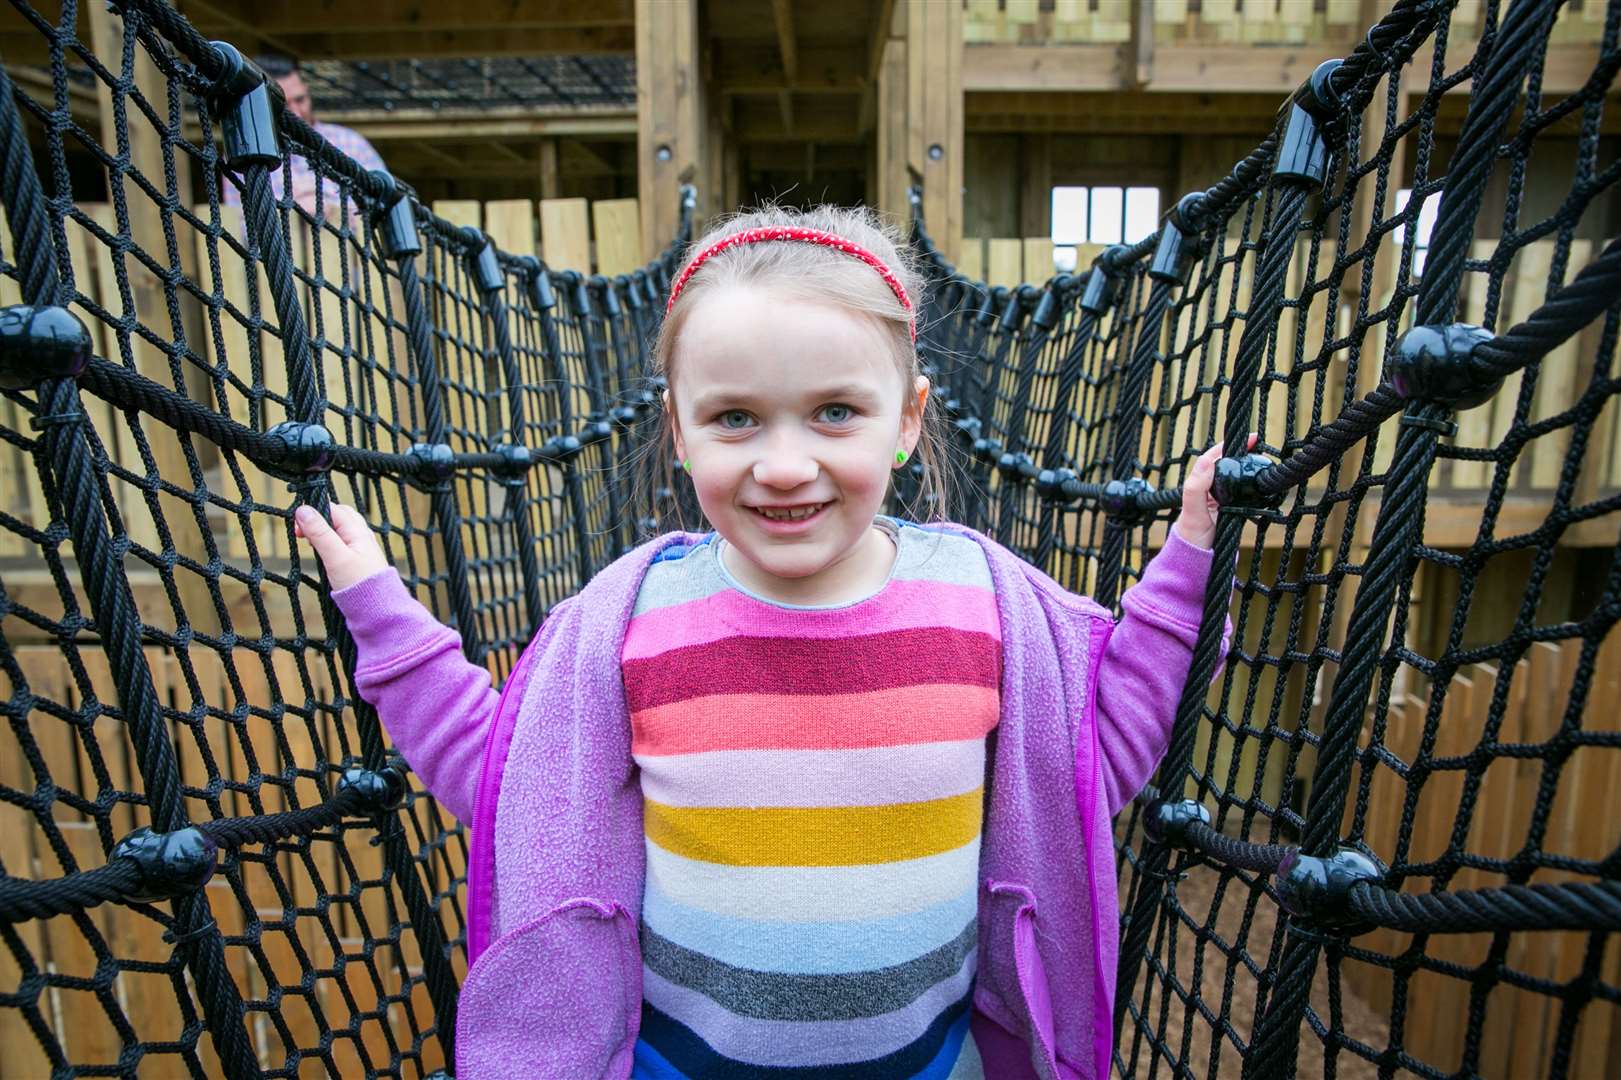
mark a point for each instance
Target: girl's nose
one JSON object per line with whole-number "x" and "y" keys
{"x": 785, "y": 468}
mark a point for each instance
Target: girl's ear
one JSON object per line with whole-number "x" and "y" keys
{"x": 912, "y": 414}
{"x": 675, "y": 429}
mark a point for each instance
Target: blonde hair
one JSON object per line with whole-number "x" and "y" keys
{"x": 813, "y": 272}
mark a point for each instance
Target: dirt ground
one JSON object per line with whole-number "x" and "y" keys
{"x": 1197, "y": 896}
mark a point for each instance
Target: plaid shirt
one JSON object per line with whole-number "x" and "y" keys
{"x": 344, "y": 140}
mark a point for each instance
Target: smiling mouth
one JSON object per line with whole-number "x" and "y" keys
{"x": 789, "y": 513}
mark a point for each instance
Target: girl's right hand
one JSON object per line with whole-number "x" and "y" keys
{"x": 347, "y": 547}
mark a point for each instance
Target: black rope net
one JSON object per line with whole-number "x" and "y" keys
{"x": 1384, "y": 837}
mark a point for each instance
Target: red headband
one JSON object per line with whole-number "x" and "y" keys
{"x": 808, "y": 236}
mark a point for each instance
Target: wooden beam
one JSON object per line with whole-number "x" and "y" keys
{"x": 783, "y": 13}
{"x": 412, "y": 124}
{"x": 1072, "y": 67}
{"x": 286, "y": 18}
{"x": 420, "y": 44}
{"x": 741, "y": 69}
{"x": 670, "y": 130}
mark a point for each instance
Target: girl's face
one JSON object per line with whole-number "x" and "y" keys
{"x": 790, "y": 413}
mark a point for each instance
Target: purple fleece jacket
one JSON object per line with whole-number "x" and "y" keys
{"x": 542, "y": 772}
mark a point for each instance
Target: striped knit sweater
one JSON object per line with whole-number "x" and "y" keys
{"x": 813, "y": 784}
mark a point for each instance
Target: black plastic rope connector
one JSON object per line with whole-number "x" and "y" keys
{"x": 1306, "y": 118}
{"x": 377, "y": 791}
{"x": 516, "y": 461}
{"x": 1045, "y": 317}
{"x": 171, "y": 864}
{"x": 435, "y": 464}
{"x": 560, "y": 449}
{"x": 307, "y": 449}
{"x": 1438, "y": 363}
{"x": 624, "y": 417}
{"x": 483, "y": 266}
{"x": 1317, "y": 891}
{"x": 1050, "y": 485}
{"x": 248, "y": 104}
{"x": 539, "y": 281}
{"x": 1168, "y": 822}
{"x": 1237, "y": 482}
{"x": 39, "y": 342}
{"x": 610, "y": 295}
{"x": 1103, "y": 283}
{"x": 1121, "y": 499}
{"x": 397, "y": 221}
{"x": 1179, "y": 241}
{"x": 1016, "y": 468}
{"x": 995, "y": 300}
{"x": 636, "y": 290}
{"x": 988, "y": 450}
{"x": 598, "y": 429}
{"x": 573, "y": 282}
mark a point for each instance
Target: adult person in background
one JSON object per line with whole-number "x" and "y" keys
{"x": 285, "y": 70}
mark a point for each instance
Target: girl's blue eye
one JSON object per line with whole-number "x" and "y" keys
{"x": 837, "y": 414}
{"x": 735, "y": 419}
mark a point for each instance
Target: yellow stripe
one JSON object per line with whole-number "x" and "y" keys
{"x": 815, "y": 836}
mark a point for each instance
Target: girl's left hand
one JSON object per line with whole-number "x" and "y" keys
{"x": 1197, "y": 522}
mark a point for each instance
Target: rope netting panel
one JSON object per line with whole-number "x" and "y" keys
{"x": 1384, "y": 837}
{"x": 173, "y": 662}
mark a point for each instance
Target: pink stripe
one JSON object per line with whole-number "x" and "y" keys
{"x": 907, "y": 605}
{"x": 937, "y": 712}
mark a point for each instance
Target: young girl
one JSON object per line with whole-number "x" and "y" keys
{"x": 821, "y": 792}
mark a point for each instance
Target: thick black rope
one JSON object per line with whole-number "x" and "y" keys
{"x": 442, "y": 498}
{"x": 1593, "y": 906}
{"x": 1271, "y": 275}
{"x": 498, "y": 333}
{"x": 100, "y": 558}
{"x": 1504, "y": 62}
{"x": 264, "y": 226}
{"x": 1128, "y": 418}
{"x": 22, "y": 899}
{"x": 121, "y": 878}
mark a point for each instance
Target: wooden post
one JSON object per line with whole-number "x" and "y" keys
{"x": 934, "y": 115}
{"x": 669, "y": 115}
{"x": 1036, "y": 187}
{"x": 891, "y": 123}
{"x": 551, "y": 178}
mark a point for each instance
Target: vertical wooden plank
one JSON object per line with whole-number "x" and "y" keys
{"x": 971, "y": 259}
{"x": 1004, "y": 262}
{"x": 511, "y": 224}
{"x": 565, "y": 236}
{"x": 459, "y": 211}
{"x": 616, "y": 224}
{"x": 1038, "y": 259}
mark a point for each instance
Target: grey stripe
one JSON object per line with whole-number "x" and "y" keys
{"x": 935, "y": 556}
{"x": 677, "y": 581}
{"x": 769, "y": 995}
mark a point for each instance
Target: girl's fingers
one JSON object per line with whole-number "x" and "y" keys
{"x": 313, "y": 527}
{"x": 349, "y": 524}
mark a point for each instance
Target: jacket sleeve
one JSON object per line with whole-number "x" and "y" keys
{"x": 436, "y": 705}
{"x": 1145, "y": 663}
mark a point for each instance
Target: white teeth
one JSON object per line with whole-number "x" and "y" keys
{"x": 798, "y": 513}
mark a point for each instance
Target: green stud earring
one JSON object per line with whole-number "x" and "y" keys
{"x": 900, "y": 457}
{"x": 687, "y": 466}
